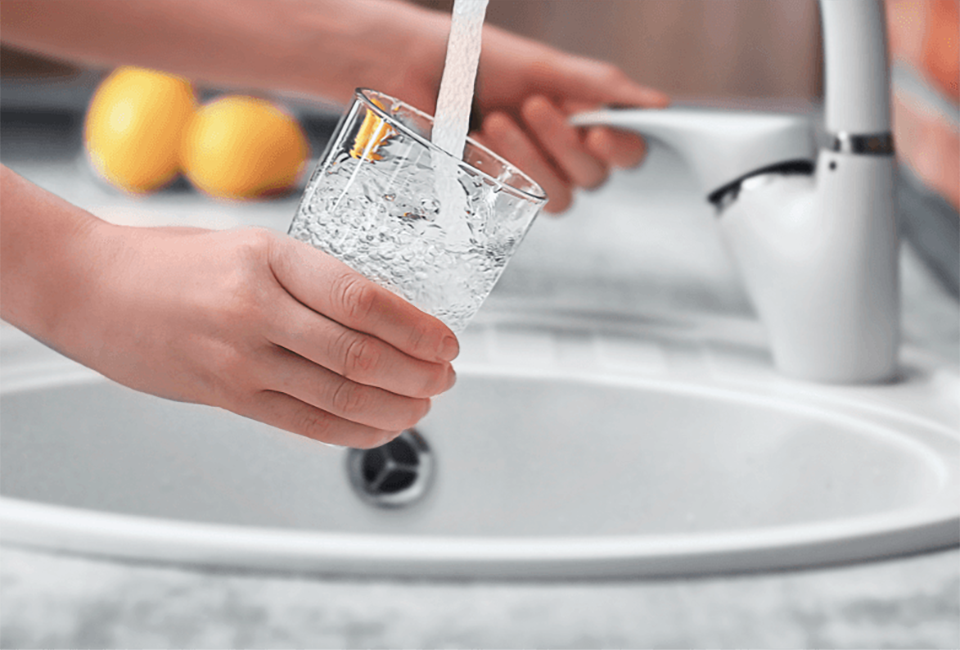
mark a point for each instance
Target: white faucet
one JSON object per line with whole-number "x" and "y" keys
{"x": 813, "y": 233}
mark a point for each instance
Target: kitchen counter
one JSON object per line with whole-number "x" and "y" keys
{"x": 643, "y": 244}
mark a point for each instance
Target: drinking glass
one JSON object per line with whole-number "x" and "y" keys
{"x": 380, "y": 200}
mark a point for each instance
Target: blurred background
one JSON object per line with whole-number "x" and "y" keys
{"x": 722, "y": 52}
{"x": 689, "y": 48}
{"x": 692, "y": 49}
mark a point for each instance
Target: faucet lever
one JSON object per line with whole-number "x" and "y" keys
{"x": 721, "y": 146}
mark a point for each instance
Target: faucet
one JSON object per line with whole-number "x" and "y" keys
{"x": 812, "y": 228}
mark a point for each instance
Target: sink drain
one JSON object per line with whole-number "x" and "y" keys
{"x": 393, "y": 475}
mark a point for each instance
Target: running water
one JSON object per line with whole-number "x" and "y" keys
{"x": 452, "y": 117}
{"x": 459, "y": 74}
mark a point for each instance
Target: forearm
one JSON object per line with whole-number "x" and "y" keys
{"x": 325, "y": 48}
{"x": 50, "y": 257}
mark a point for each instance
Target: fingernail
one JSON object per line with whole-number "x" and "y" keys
{"x": 449, "y": 348}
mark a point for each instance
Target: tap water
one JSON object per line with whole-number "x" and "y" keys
{"x": 452, "y": 116}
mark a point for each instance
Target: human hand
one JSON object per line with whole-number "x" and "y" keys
{"x": 264, "y": 326}
{"x": 526, "y": 93}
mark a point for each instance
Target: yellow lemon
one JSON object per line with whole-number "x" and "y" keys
{"x": 373, "y": 133}
{"x": 241, "y": 147}
{"x": 134, "y": 126}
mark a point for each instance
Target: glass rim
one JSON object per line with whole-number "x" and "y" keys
{"x": 361, "y": 94}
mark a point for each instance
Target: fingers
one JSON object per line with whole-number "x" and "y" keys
{"x": 329, "y": 287}
{"x": 287, "y": 373}
{"x": 621, "y": 149}
{"x": 502, "y": 135}
{"x": 344, "y": 360}
{"x": 290, "y": 414}
{"x": 616, "y": 148}
{"x": 357, "y": 356}
{"x": 562, "y": 143}
{"x": 559, "y": 156}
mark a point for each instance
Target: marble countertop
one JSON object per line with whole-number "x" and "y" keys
{"x": 644, "y": 243}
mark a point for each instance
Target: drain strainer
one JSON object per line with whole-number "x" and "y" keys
{"x": 393, "y": 475}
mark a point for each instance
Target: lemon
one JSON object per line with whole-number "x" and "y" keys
{"x": 372, "y": 134}
{"x": 242, "y": 147}
{"x": 134, "y": 126}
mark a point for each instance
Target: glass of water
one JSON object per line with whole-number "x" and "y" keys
{"x": 430, "y": 227}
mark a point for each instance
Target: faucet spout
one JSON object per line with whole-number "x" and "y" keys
{"x": 856, "y": 72}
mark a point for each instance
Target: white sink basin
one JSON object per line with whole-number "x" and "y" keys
{"x": 574, "y": 446}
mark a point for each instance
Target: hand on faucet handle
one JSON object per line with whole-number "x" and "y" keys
{"x": 526, "y": 93}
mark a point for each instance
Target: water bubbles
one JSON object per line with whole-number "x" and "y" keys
{"x": 396, "y": 237}
{"x": 430, "y": 207}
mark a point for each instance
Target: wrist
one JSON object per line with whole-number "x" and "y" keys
{"x": 393, "y": 47}
{"x": 66, "y": 300}
{"x": 53, "y": 254}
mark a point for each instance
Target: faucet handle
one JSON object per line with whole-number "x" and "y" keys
{"x": 721, "y": 146}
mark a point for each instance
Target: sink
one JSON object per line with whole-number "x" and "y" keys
{"x": 575, "y": 444}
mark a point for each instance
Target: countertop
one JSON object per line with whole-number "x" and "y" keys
{"x": 645, "y": 244}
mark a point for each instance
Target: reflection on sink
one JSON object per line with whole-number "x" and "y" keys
{"x": 574, "y": 446}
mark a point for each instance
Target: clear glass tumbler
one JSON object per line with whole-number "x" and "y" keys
{"x": 376, "y": 201}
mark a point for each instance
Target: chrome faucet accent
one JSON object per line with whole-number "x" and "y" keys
{"x": 812, "y": 229}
